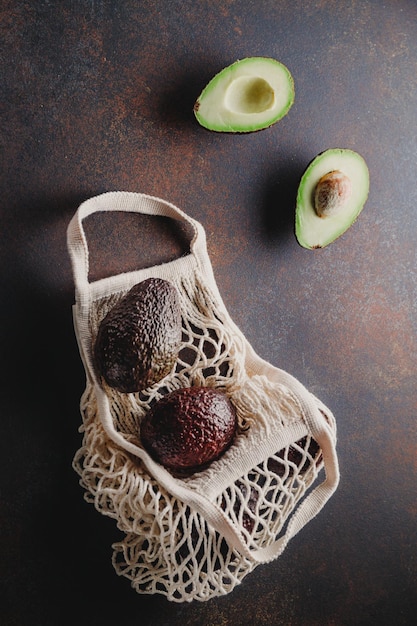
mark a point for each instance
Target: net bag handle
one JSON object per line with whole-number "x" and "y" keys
{"x": 123, "y": 201}
{"x": 211, "y": 512}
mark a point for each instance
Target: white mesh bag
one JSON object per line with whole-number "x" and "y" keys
{"x": 196, "y": 537}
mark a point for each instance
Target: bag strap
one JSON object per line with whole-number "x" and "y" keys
{"x": 126, "y": 202}
{"x": 211, "y": 512}
{"x": 321, "y": 424}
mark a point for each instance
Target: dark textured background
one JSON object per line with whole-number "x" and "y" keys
{"x": 98, "y": 96}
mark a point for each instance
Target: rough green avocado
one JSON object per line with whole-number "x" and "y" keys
{"x": 249, "y": 95}
{"x": 189, "y": 427}
{"x": 331, "y": 194}
{"x": 138, "y": 340}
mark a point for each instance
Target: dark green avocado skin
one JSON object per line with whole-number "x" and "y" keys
{"x": 189, "y": 427}
{"x": 138, "y": 341}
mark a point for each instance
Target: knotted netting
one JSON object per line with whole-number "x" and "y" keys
{"x": 194, "y": 537}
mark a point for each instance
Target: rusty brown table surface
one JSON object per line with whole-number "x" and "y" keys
{"x": 98, "y": 96}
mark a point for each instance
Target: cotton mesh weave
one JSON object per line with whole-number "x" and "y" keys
{"x": 196, "y": 537}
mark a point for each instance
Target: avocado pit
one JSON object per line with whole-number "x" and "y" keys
{"x": 332, "y": 193}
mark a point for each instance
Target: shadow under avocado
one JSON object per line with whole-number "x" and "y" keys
{"x": 175, "y": 105}
{"x": 277, "y": 208}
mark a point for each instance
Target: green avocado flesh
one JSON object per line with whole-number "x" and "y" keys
{"x": 313, "y": 231}
{"x": 249, "y": 95}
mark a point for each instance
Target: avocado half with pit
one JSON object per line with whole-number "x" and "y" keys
{"x": 249, "y": 95}
{"x": 331, "y": 194}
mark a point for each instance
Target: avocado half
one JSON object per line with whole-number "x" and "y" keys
{"x": 331, "y": 194}
{"x": 249, "y": 95}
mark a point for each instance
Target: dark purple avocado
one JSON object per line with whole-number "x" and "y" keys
{"x": 138, "y": 341}
{"x": 189, "y": 427}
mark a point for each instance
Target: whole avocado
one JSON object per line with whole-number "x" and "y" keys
{"x": 189, "y": 427}
{"x": 138, "y": 340}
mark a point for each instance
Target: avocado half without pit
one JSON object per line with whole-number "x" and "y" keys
{"x": 249, "y": 95}
{"x": 331, "y": 194}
